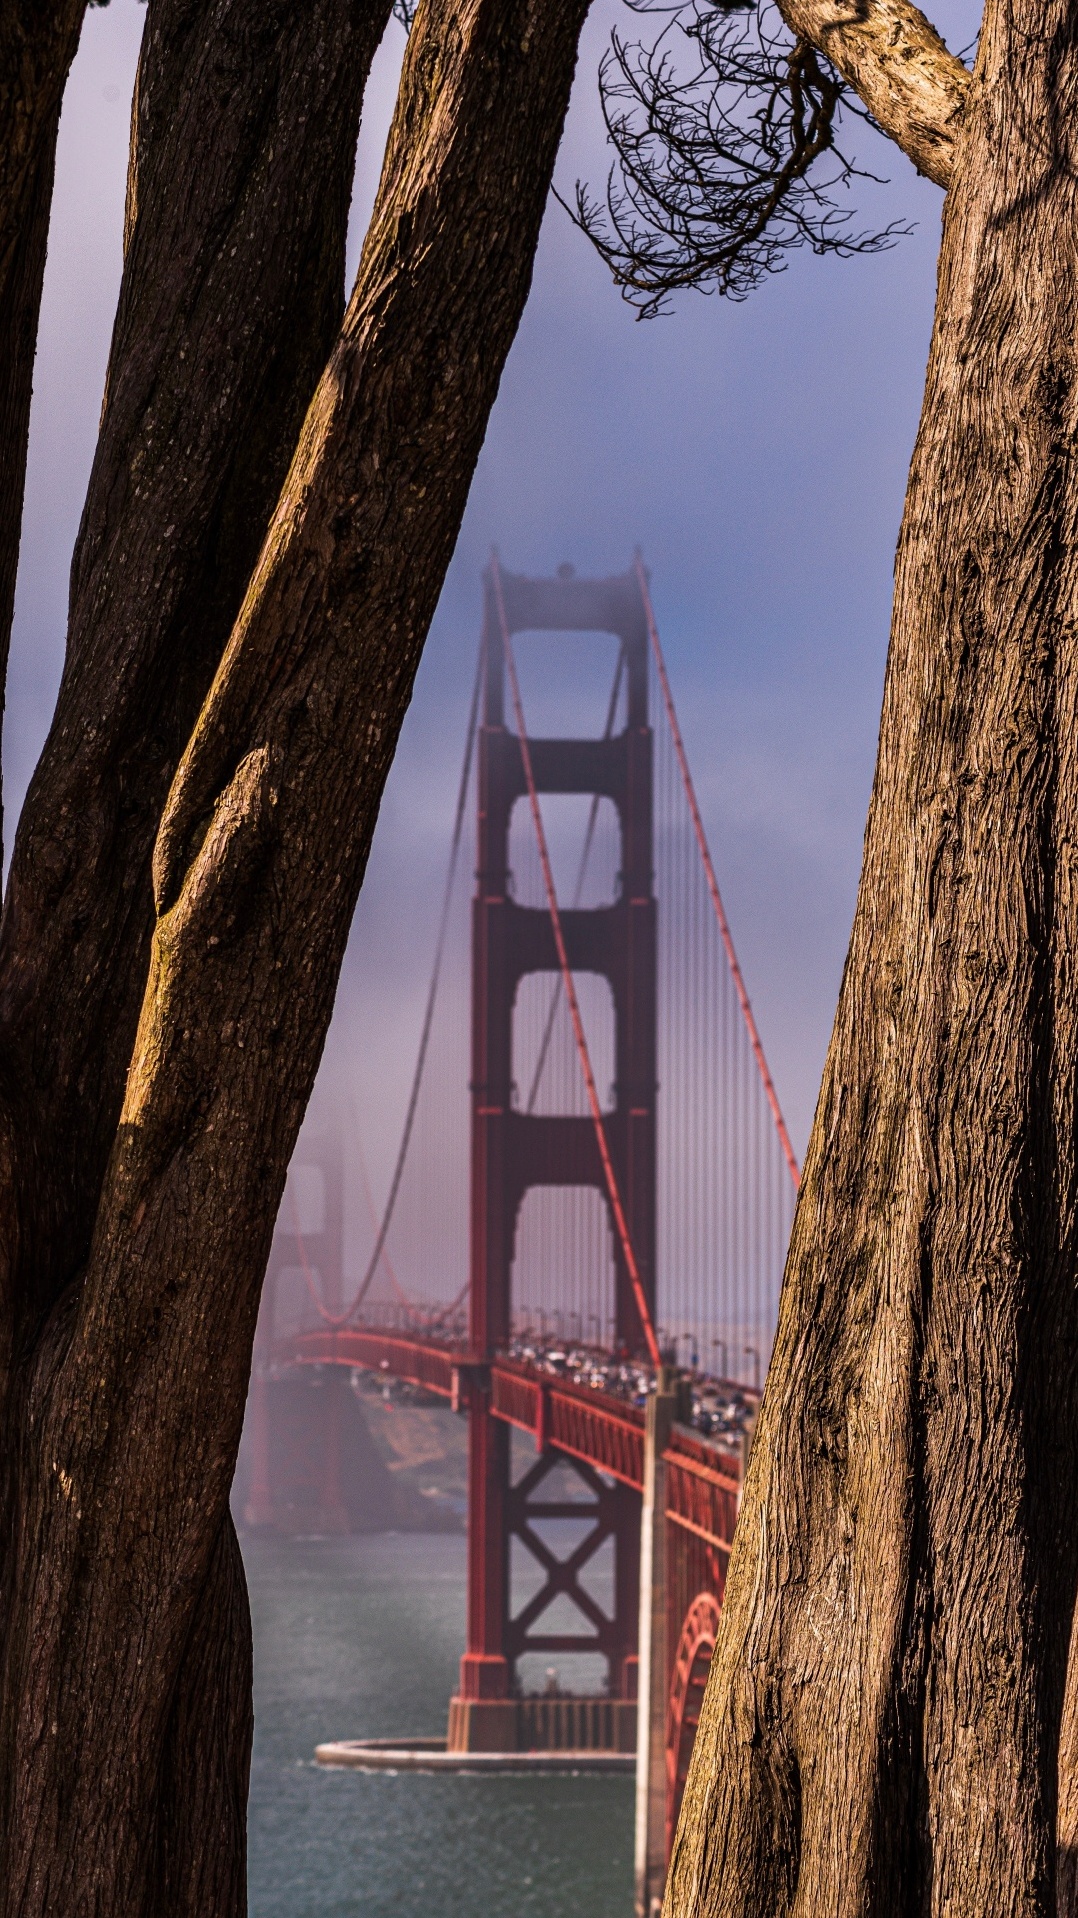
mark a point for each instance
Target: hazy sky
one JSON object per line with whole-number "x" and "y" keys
{"x": 756, "y": 452}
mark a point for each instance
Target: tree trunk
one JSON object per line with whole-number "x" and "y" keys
{"x": 129, "y": 1387}
{"x": 20, "y": 306}
{"x": 37, "y": 46}
{"x": 881, "y": 1727}
{"x": 232, "y": 295}
{"x": 199, "y": 1864}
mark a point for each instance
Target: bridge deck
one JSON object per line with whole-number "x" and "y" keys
{"x": 703, "y": 1480}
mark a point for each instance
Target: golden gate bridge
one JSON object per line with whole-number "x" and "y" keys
{"x": 604, "y": 1273}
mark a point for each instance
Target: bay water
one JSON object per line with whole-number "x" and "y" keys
{"x": 361, "y": 1637}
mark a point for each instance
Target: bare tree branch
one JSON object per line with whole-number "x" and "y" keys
{"x": 726, "y": 131}
{"x": 913, "y": 86}
{"x": 724, "y": 168}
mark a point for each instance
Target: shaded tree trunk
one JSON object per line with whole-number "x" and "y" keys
{"x": 134, "y": 1264}
{"x": 37, "y": 46}
{"x": 881, "y": 1728}
{"x": 20, "y": 307}
{"x": 231, "y": 297}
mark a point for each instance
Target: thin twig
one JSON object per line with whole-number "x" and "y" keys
{"x": 724, "y": 168}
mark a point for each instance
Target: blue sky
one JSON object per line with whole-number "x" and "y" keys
{"x": 757, "y": 453}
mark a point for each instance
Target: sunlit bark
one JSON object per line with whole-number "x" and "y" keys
{"x": 893, "y": 57}
{"x": 882, "y": 1724}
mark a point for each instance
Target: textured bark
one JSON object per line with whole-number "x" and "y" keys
{"x": 37, "y": 45}
{"x": 232, "y": 295}
{"x": 881, "y": 1729}
{"x": 132, "y": 1397}
{"x": 200, "y": 1834}
{"x": 894, "y": 58}
{"x": 20, "y": 306}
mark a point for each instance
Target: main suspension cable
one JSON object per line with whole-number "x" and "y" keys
{"x": 578, "y": 890}
{"x": 432, "y": 994}
{"x": 609, "y": 1176}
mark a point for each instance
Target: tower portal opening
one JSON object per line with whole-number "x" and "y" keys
{"x": 547, "y": 1074}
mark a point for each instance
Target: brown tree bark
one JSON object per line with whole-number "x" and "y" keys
{"x": 37, "y": 46}
{"x": 881, "y": 1729}
{"x": 893, "y": 57}
{"x": 129, "y": 1385}
{"x": 232, "y": 295}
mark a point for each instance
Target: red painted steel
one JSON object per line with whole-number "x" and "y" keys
{"x": 609, "y": 1176}
{"x": 601, "y": 1437}
{"x": 702, "y": 1487}
{"x": 593, "y": 1426}
{"x": 604, "y": 1439}
{"x": 692, "y": 1663}
{"x": 515, "y": 1150}
{"x": 605, "y": 1511}
{"x": 602, "y": 1431}
{"x": 417, "y": 1361}
{"x": 485, "y": 1669}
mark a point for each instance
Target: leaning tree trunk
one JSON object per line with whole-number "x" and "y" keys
{"x": 37, "y": 46}
{"x": 124, "y": 1698}
{"x": 881, "y": 1727}
{"x": 232, "y": 295}
{"x": 231, "y": 299}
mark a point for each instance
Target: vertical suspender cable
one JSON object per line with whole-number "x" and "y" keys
{"x": 712, "y": 882}
{"x": 578, "y": 892}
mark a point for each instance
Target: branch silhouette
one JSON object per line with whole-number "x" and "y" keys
{"x": 725, "y": 131}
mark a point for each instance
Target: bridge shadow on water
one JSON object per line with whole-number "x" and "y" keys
{"x": 361, "y": 1636}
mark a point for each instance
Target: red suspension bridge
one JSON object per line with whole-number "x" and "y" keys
{"x": 612, "y": 1288}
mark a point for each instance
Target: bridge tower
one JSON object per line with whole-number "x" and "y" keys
{"x": 297, "y": 1426}
{"x": 513, "y": 1151}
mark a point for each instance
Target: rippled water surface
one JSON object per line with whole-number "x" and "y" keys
{"x": 361, "y": 1637}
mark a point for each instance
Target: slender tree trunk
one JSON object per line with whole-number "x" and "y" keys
{"x": 232, "y": 295}
{"x": 881, "y": 1727}
{"x": 129, "y": 1388}
{"x": 20, "y": 305}
{"x": 37, "y": 46}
